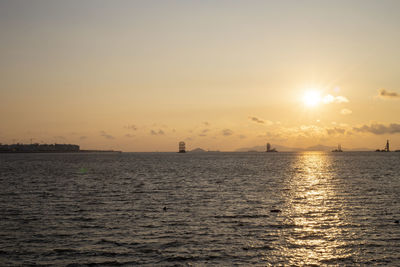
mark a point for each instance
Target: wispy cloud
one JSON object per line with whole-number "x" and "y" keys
{"x": 203, "y": 132}
{"x": 129, "y": 135}
{"x": 382, "y": 93}
{"x": 106, "y": 135}
{"x": 160, "y": 132}
{"x": 335, "y": 131}
{"x": 227, "y": 132}
{"x": 131, "y": 127}
{"x": 255, "y": 119}
{"x": 378, "y": 128}
{"x": 242, "y": 136}
{"x": 334, "y": 99}
{"x": 83, "y": 137}
{"x": 272, "y": 136}
{"x": 346, "y": 111}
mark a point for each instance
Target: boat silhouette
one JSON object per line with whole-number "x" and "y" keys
{"x": 339, "y": 149}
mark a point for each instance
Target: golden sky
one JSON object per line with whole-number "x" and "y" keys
{"x": 144, "y": 75}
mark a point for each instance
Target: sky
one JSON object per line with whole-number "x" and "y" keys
{"x": 220, "y": 75}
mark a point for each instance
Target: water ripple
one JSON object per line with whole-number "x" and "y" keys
{"x": 168, "y": 209}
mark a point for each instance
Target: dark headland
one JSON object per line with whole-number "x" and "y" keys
{"x": 47, "y": 148}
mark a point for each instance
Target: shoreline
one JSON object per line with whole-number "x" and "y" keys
{"x": 69, "y": 152}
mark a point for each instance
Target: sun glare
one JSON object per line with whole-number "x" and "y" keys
{"x": 312, "y": 98}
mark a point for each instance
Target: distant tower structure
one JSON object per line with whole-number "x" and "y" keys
{"x": 182, "y": 147}
{"x": 387, "y": 146}
{"x": 270, "y": 149}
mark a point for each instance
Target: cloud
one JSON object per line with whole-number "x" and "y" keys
{"x": 160, "y": 132}
{"x": 346, "y": 111}
{"x": 107, "y": 136}
{"x": 304, "y": 131}
{"x": 60, "y": 137}
{"x": 377, "y": 128}
{"x": 388, "y": 94}
{"x": 227, "y": 132}
{"x": 335, "y": 131}
{"x": 203, "y": 132}
{"x": 334, "y": 99}
{"x": 83, "y": 137}
{"x": 129, "y": 135}
{"x": 255, "y": 119}
{"x": 242, "y": 136}
{"x": 206, "y": 123}
{"x": 131, "y": 127}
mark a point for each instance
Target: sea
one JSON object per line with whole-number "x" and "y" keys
{"x": 200, "y": 209}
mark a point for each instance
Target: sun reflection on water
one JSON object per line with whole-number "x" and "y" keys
{"x": 314, "y": 211}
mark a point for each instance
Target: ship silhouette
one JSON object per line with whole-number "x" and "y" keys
{"x": 270, "y": 149}
{"x": 182, "y": 147}
{"x": 339, "y": 149}
{"x": 386, "y": 149}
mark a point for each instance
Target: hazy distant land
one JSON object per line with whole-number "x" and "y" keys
{"x": 285, "y": 149}
{"x": 298, "y": 149}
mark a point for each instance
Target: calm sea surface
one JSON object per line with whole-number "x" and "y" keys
{"x": 108, "y": 209}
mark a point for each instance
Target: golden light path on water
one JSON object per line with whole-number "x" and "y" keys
{"x": 314, "y": 212}
{"x": 221, "y": 209}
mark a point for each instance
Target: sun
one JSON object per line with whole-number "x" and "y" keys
{"x": 312, "y": 98}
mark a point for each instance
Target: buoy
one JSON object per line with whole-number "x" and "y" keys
{"x": 275, "y": 210}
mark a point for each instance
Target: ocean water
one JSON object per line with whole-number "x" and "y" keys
{"x": 220, "y": 209}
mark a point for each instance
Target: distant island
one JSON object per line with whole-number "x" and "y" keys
{"x": 197, "y": 150}
{"x": 200, "y": 150}
{"x": 45, "y": 148}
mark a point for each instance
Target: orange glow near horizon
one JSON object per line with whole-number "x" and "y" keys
{"x": 140, "y": 77}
